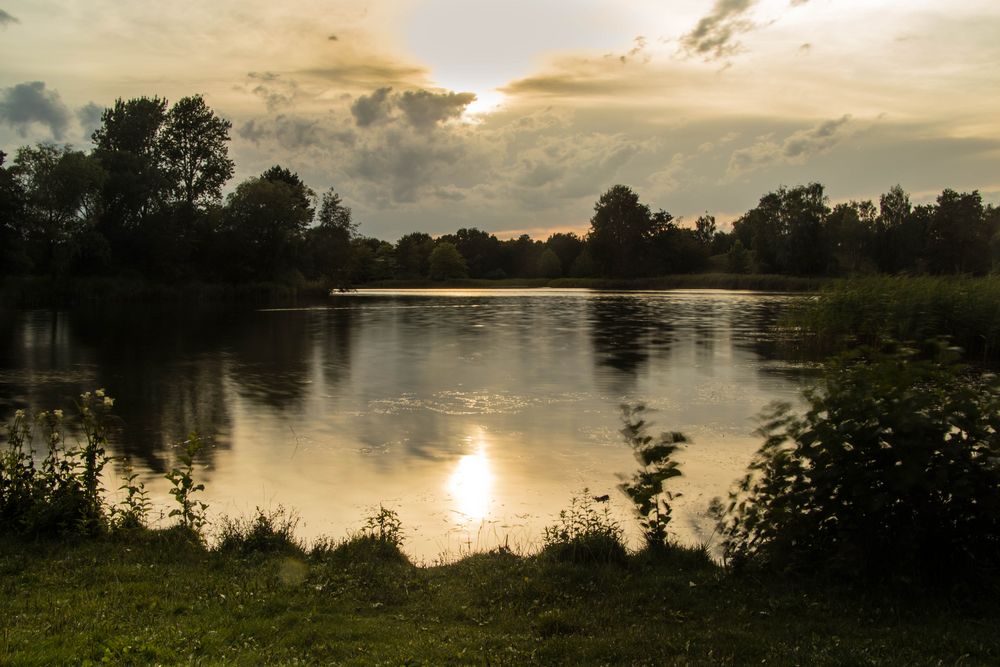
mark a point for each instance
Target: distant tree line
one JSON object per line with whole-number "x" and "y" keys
{"x": 147, "y": 202}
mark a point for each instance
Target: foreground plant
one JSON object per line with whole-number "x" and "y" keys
{"x": 646, "y": 488}
{"x": 191, "y": 511}
{"x": 62, "y": 493}
{"x": 894, "y": 470}
{"x": 584, "y": 533}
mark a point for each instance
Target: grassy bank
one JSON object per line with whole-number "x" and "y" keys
{"x": 158, "y": 598}
{"x": 40, "y": 292}
{"x": 878, "y": 309}
{"x": 731, "y": 281}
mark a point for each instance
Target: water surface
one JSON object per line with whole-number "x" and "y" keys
{"x": 475, "y": 414}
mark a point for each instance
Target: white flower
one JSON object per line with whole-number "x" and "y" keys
{"x": 108, "y": 401}
{"x": 58, "y": 414}
{"x": 99, "y": 393}
{"x": 18, "y": 414}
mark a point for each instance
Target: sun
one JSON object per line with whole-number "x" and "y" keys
{"x": 485, "y": 103}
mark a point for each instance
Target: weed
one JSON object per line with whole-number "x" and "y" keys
{"x": 646, "y": 487}
{"x": 191, "y": 511}
{"x": 267, "y": 533}
{"x": 585, "y": 534}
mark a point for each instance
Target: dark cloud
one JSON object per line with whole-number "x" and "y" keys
{"x": 333, "y": 38}
{"x": 424, "y": 109}
{"x": 28, "y": 103}
{"x": 368, "y": 75}
{"x": 574, "y": 84}
{"x": 370, "y": 109}
{"x": 401, "y": 165}
{"x": 89, "y": 116}
{"x": 294, "y": 133}
{"x": 805, "y": 48}
{"x": 714, "y": 36}
{"x": 796, "y": 148}
{"x": 6, "y": 19}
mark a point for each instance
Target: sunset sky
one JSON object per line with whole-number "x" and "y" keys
{"x": 514, "y": 116}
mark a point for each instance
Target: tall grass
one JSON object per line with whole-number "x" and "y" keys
{"x": 874, "y": 311}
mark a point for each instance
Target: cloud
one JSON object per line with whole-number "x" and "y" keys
{"x": 27, "y": 103}
{"x": 424, "y": 109}
{"x": 89, "y": 116}
{"x": 796, "y": 148}
{"x": 6, "y": 19}
{"x": 294, "y": 133}
{"x": 714, "y": 37}
{"x": 368, "y": 74}
{"x": 277, "y": 92}
{"x": 370, "y": 109}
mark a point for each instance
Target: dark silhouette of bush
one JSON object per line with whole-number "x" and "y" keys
{"x": 893, "y": 472}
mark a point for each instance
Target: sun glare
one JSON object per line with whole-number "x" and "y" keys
{"x": 486, "y": 102}
{"x": 471, "y": 484}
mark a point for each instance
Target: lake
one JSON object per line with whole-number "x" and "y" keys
{"x": 476, "y": 414}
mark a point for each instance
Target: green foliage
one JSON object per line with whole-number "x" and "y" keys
{"x": 877, "y": 310}
{"x": 384, "y": 526}
{"x": 62, "y": 495}
{"x": 585, "y": 534}
{"x": 549, "y": 265}
{"x": 891, "y": 472}
{"x": 193, "y": 144}
{"x": 646, "y": 488}
{"x": 267, "y": 533}
{"x": 131, "y": 513}
{"x": 447, "y": 263}
{"x": 191, "y": 512}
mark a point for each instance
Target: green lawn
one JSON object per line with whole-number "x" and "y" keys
{"x": 158, "y": 599}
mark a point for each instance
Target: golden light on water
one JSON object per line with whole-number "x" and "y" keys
{"x": 471, "y": 485}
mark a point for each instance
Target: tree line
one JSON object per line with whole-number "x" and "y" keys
{"x": 147, "y": 201}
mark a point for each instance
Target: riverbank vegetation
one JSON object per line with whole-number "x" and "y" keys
{"x": 865, "y": 531}
{"x": 877, "y": 310}
{"x": 146, "y": 206}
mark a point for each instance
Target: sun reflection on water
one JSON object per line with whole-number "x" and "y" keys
{"x": 471, "y": 485}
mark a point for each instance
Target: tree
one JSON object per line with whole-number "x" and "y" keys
{"x": 302, "y": 192}
{"x": 620, "y": 231}
{"x": 567, "y": 246}
{"x": 704, "y": 229}
{"x": 413, "y": 255}
{"x": 128, "y": 146}
{"x": 13, "y": 255}
{"x": 193, "y": 145}
{"x": 265, "y": 222}
{"x": 447, "y": 263}
{"x": 958, "y": 235}
{"x": 549, "y": 265}
{"x": 334, "y": 215}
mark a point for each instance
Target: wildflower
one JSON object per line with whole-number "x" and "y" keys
{"x": 108, "y": 401}
{"x": 18, "y": 414}
{"x": 85, "y": 396}
{"x": 58, "y": 414}
{"x": 99, "y": 393}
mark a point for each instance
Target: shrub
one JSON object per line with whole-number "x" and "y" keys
{"x": 191, "y": 511}
{"x": 379, "y": 540}
{"x": 892, "y": 471}
{"x": 585, "y": 534}
{"x": 62, "y": 495}
{"x": 267, "y": 533}
{"x": 646, "y": 487}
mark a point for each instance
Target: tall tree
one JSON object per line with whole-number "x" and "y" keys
{"x": 193, "y": 144}
{"x": 621, "y": 229}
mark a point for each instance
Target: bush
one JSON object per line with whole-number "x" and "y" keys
{"x": 267, "y": 533}
{"x": 584, "y": 534}
{"x": 62, "y": 495}
{"x": 891, "y": 472}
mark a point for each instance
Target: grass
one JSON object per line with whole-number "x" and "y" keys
{"x": 731, "y": 281}
{"x": 162, "y": 598}
{"x": 875, "y": 310}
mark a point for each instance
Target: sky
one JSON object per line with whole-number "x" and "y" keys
{"x": 514, "y": 116}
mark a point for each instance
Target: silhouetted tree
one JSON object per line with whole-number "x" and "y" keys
{"x": 620, "y": 231}
{"x": 958, "y": 235}
{"x": 413, "y": 255}
{"x": 447, "y": 262}
{"x": 193, "y": 146}
{"x": 549, "y": 265}
{"x": 567, "y": 247}
{"x": 705, "y": 229}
